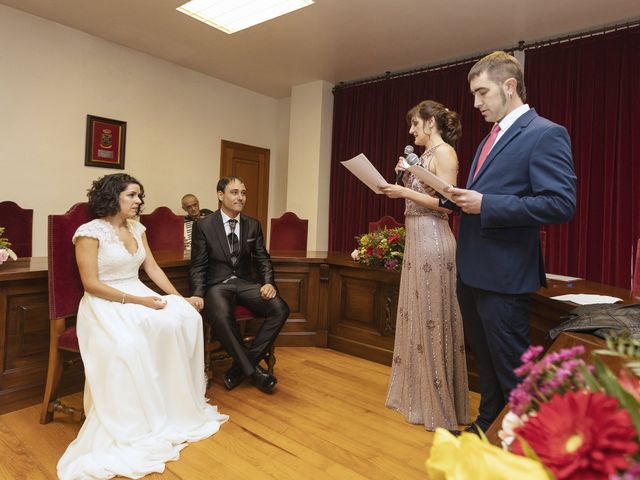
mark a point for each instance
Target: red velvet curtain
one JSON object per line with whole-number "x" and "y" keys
{"x": 592, "y": 87}
{"x": 371, "y": 119}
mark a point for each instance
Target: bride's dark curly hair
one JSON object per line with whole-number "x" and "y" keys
{"x": 104, "y": 194}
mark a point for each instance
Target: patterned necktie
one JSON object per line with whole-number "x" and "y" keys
{"x": 234, "y": 243}
{"x": 484, "y": 153}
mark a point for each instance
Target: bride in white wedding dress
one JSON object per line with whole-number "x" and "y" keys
{"x": 143, "y": 356}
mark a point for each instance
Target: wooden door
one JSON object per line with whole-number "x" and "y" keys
{"x": 252, "y": 165}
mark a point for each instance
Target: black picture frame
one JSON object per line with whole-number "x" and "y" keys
{"x": 105, "y": 142}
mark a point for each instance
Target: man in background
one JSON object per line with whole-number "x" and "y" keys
{"x": 191, "y": 205}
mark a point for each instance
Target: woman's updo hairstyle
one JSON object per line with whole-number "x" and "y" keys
{"x": 104, "y": 194}
{"x": 447, "y": 121}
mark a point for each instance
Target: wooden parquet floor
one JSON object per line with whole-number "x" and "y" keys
{"x": 326, "y": 420}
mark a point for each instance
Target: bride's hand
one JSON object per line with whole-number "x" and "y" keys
{"x": 156, "y": 303}
{"x": 196, "y": 302}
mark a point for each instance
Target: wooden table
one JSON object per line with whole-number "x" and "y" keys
{"x": 334, "y": 301}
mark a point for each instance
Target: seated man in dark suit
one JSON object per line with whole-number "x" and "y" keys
{"x": 224, "y": 246}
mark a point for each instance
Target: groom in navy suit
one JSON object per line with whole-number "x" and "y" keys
{"x": 522, "y": 177}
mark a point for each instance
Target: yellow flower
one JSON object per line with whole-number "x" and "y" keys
{"x": 469, "y": 457}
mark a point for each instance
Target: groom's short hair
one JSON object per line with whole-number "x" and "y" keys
{"x": 224, "y": 181}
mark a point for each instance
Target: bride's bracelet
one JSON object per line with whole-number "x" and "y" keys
{"x": 124, "y": 295}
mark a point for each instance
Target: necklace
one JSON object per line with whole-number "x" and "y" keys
{"x": 431, "y": 149}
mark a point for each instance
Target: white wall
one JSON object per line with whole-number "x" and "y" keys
{"x": 52, "y": 76}
{"x": 310, "y": 158}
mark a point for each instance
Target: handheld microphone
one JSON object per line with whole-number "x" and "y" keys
{"x": 410, "y": 159}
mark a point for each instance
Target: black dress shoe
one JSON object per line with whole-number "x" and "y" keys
{"x": 473, "y": 428}
{"x": 263, "y": 380}
{"x": 233, "y": 377}
{"x": 455, "y": 433}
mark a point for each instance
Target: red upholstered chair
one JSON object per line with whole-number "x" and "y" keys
{"x": 635, "y": 281}
{"x": 65, "y": 292}
{"x": 165, "y": 230}
{"x": 386, "y": 221}
{"x": 18, "y": 224}
{"x": 288, "y": 233}
{"x": 215, "y": 353}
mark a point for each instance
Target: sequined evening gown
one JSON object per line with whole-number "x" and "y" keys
{"x": 428, "y": 382}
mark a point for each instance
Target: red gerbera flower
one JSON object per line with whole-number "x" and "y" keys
{"x": 583, "y": 435}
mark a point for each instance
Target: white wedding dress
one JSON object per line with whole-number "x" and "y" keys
{"x": 144, "y": 395}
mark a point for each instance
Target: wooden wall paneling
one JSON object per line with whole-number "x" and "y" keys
{"x": 24, "y": 340}
{"x": 297, "y": 284}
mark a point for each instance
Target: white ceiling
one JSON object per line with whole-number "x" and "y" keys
{"x": 332, "y": 40}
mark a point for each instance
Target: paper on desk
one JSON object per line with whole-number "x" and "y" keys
{"x": 435, "y": 182}
{"x": 361, "y": 167}
{"x": 561, "y": 278}
{"x": 587, "y": 299}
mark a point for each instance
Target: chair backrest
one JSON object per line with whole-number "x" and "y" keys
{"x": 165, "y": 230}
{"x": 386, "y": 221}
{"x": 288, "y": 233}
{"x": 18, "y": 224}
{"x": 635, "y": 280}
{"x": 65, "y": 287}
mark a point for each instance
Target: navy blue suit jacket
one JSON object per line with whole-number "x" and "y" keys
{"x": 526, "y": 180}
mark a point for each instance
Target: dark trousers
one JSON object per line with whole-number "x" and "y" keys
{"x": 496, "y": 327}
{"x": 219, "y": 305}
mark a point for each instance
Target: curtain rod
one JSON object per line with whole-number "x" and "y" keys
{"x": 521, "y": 46}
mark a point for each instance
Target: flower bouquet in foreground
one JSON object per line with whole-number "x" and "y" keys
{"x": 568, "y": 420}
{"x": 383, "y": 248}
{"x": 5, "y": 252}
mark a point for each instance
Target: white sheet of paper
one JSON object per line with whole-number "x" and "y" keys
{"x": 435, "y": 182}
{"x": 586, "y": 298}
{"x": 361, "y": 167}
{"x": 561, "y": 278}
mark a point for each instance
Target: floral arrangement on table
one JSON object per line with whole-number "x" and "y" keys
{"x": 5, "y": 252}
{"x": 568, "y": 420}
{"x": 384, "y": 248}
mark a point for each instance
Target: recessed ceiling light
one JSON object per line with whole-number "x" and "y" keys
{"x": 231, "y": 16}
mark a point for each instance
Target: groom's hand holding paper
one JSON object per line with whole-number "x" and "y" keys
{"x": 469, "y": 201}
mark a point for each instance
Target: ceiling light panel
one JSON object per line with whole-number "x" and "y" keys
{"x": 231, "y": 16}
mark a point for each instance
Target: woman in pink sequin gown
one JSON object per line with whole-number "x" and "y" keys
{"x": 428, "y": 382}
